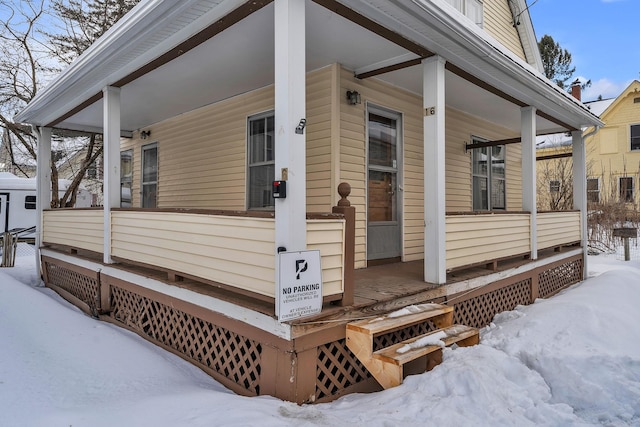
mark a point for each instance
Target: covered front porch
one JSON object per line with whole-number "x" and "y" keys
{"x": 216, "y": 105}
{"x": 238, "y": 340}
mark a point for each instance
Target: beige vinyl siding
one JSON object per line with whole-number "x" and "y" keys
{"x": 514, "y": 177}
{"x": 202, "y": 153}
{"x": 558, "y": 228}
{"x": 318, "y": 132}
{"x": 353, "y": 157}
{"x": 475, "y": 239}
{"x": 460, "y": 127}
{"x": 78, "y": 228}
{"x": 235, "y": 251}
{"x": 498, "y": 21}
{"x": 327, "y": 236}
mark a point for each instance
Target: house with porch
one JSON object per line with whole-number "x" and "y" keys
{"x": 385, "y": 150}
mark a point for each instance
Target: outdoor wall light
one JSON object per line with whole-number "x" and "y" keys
{"x": 145, "y": 134}
{"x": 353, "y": 97}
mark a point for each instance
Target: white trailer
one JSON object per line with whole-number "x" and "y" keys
{"x": 18, "y": 200}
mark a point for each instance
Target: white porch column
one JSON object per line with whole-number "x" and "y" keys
{"x": 290, "y": 107}
{"x": 579, "y": 154}
{"x": 43, "y": 183}
{"x": 435, "y": 259}
{"x": 528, "y": 126}
{"x": 111, "y": 153}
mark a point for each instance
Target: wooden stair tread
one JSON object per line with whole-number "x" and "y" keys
{"x": 448, "y": 336}
{"x": 414, "y": 314}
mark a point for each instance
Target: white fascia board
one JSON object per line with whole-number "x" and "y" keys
{"x": 77, "y": 82}
{"x": 467, "y": 46}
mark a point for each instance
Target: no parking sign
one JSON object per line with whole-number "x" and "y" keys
{"x": 299, "y": 285}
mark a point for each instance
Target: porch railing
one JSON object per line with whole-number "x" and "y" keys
{"x": 476, "y": 238}
{"x": 76, "y": 228}
{"x": 233, "y": 249}
{"x": 558, "y": 228}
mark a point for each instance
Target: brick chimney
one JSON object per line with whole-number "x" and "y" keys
{"x": 576, "y": 90}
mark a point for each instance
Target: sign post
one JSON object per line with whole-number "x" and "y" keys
{"x": 299, "y": 285}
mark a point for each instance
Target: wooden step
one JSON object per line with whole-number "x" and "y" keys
{"x": 416, "y": 347}
{"x": 387, "y": 364}
{"x": 440, "y": 315}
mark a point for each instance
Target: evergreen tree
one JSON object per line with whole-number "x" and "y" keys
{"x": 556, "y": 61}
{"x": 83, "y": 21}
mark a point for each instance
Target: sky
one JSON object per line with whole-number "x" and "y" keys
{"x": 603, "y": 37}
{"x": 570, "y": 360}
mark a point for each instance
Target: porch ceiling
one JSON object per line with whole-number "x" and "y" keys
{"x": 241, "y": 59}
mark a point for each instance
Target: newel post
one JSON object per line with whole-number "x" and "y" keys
{"x": 344, "y": 207}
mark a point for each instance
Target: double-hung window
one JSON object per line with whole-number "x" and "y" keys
{"x": 634, "y": 131}
{"x": 261, "y": 161}
{"x": 472, "y": 9}
{"x": 150, "y": 175}
{"x": 126, "y": 178}
{"x": 626, "y": 189}
{"x": 593, "y": 190}
{"x": 488, "y": 173}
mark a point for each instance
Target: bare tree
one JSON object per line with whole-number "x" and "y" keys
{"x": 555, "y": 184}
{"x": 81, "y": 22}
{"x": 25, "y": 65}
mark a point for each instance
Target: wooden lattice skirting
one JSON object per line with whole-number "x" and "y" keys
{"x": 314, "y": 368}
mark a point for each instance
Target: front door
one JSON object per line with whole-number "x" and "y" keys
{"x": 4, "y": 212}
{"x": 383, "y": 164}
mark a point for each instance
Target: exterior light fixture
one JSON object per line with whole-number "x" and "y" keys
{"x": 145, "y": 134}
{"x": 353, "y": 97}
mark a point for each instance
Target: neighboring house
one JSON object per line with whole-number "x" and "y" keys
{"x": 554, "y": 172}
{"x": 613, "y": 151}
{"x": 428, "y": 110}
{"x": 555, "y": 166}
{"x": 92, "y": 180}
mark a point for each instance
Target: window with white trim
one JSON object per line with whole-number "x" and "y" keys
{"x": 634, "y": 136}
{"x": 554, "y": 186}
{"x": 593, "y": 190}
{"x": 472, "y": 9}
{"x": 488, "y": 174}
{"x": 126, "y": 178}
{"x": 150, "y": 175}
{"x": 626, "y": 189}
{"x": 261, "y": 161}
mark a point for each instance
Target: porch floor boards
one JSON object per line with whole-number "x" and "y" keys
{"x": 378, "y": 289}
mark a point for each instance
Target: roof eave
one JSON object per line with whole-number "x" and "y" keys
{"x": 147, "y": 18}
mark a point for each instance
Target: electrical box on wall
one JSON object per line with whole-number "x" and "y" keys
{"x": 279, "y": 189}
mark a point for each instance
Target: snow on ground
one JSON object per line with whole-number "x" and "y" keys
{"x": 571, "y": 360}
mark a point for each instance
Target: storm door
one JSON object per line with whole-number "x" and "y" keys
{"x": 383, "y": 173}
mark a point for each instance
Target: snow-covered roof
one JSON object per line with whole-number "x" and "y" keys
{"x": 554, "y": 140}
{"x": 599, "y": 107}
